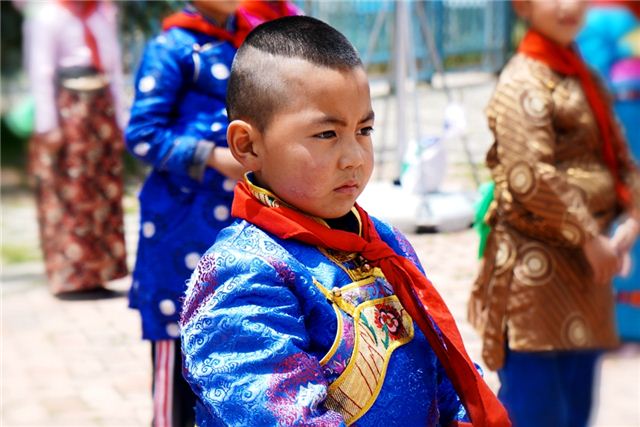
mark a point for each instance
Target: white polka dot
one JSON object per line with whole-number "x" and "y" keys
{"x": 146, "y": 84}
{"x": 220, "y": 71}
{"x": 224, "y": 113}
{"x": 167, "y": 307}
{"x": 216, "y": 126}
{"x": 148, "y": 229}
{"x": 173, "y": 330}
{"x": 185, "y": 190}
{"x": 136, "y": 285}
{"x": 228, "y": 184}
{"x": 142, "y": 148}
{"x": 191, "y": 260}
{"x": 161, "y": 39}
{"x": 221, "y": 213}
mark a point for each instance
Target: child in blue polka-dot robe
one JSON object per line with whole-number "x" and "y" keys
{"x": 178, "y": 127}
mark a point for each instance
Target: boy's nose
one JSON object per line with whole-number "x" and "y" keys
{"x": 352, "y": 155}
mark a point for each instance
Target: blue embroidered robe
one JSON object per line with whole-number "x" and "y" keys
{"x": 177, "y": 116}
{"x": 279, "y": 333}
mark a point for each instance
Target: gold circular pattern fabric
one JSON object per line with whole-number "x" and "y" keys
{"x": 505, "y": 254}
{"x": 571, "y": 232}
{"x": 522, "y": 179}
{"x": 575, "y": 330}
{"x": 536, "y": 265}
{"x": 534, "y": 105}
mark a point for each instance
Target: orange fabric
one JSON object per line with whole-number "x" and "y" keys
{"x": 83, "y": 10}
{"x": 568, "y": 62}
{"x": 414, "y": 290}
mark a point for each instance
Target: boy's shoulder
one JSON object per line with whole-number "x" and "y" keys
{"x": 243, "y": 240}
{"x": 523, "y": 71}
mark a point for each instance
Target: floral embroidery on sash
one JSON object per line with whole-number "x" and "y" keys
{"x": 371, "y": 325}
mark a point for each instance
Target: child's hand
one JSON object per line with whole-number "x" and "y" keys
{"x": 625, "y": 235}
{"x": 626, "y": 265}
{"x": 222, "y": 160}
{"x": 605, "y": 262}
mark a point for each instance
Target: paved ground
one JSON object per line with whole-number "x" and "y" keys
{"x": 81, "y": 363}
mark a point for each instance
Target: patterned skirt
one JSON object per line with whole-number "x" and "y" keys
{"x": 79, "y": 190}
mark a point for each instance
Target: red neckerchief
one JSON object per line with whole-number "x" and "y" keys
{"x": 568, "y": 62}
{"x": 413, "y": 289}
{"x": 270, "y": 9}
{"x": 193, "y": 20}
{"x": 83, "y": 10}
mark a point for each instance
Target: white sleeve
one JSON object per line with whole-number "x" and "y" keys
{"x": 40, "y": 51}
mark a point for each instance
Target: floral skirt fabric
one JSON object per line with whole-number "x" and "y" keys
{"x": 78, "y": 185}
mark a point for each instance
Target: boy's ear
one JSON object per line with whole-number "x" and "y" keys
{"x": 243, "y": 138}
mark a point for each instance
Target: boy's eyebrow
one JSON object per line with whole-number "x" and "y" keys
{"x": 370, "y": 116}
{"x": 334, "y": 120}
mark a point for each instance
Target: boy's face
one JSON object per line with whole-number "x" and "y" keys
{"x": 316, "y": 153}
{"x": 558, "y": 20}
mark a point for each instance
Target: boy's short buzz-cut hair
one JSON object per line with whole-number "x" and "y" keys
{"x": 255, "y": 89}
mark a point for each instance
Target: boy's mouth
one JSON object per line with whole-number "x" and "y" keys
{"x": 348, "y": 187}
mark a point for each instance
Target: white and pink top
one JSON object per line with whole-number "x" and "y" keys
{"x": 54, "y": 39}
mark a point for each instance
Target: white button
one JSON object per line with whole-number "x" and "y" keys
{"x": 146, "y": 84}
{"x": 216, "y": 126}
{"x": 221, "y": 213}
{"x": 167, "y": 307}
{"x": 220, "y": 71}
{"x": 228, "y": 184}
{"x": 142, "y": 148}
{"x": 191, "y": 260}
{"x": 173, "y": 330}
{"x": 148, "y": 229}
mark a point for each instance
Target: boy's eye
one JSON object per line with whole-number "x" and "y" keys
{"x": 366, "y": 131}
{"x": 328, "y": 134}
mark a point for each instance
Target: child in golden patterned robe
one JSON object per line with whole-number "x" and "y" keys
{"x": 543, "y": 301}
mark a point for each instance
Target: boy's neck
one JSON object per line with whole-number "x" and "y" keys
{"x": 348, "y": 222}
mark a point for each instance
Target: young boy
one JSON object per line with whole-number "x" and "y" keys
{"x": 543, "y": 300}
{"x": 306, "y": 311}
{"x": 178, "y": 126}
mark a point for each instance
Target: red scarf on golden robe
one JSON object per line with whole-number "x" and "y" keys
{"x": 567, "y": 61}
{"x": 413, "y": 289}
